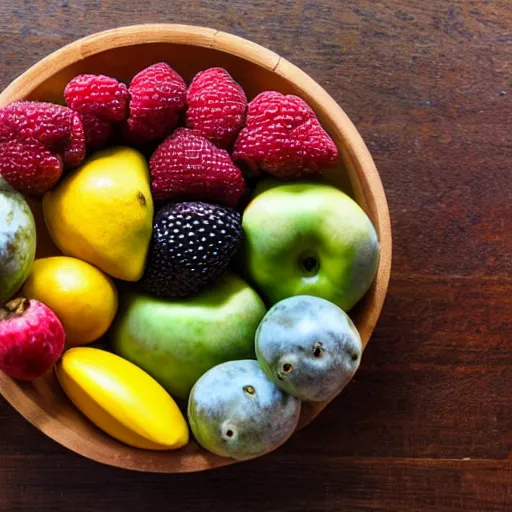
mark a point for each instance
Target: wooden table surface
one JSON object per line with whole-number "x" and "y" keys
{"x": 426, "y": 423}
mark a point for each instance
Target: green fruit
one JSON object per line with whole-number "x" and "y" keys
{"x": 235, "y": 411}
{"x": 17, "y": 241}
{"x": 308, "y": 239}
{"x": 177, "y": 340}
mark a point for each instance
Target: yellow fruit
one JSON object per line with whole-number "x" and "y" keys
{"x": 122, "y": 400}
{"x": 83, "y": 297}
{"x": 103, "y": 212}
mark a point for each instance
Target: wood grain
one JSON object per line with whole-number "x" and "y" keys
{"x": 428, "y": 85}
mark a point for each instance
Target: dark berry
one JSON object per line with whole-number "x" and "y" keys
{"x": 192, "y": 245}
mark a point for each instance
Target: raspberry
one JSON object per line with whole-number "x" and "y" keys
{"x": 97, "y": 131}
{"x": 216, "y": 106}
{"x": 98, "y": 95}
{"x": 100, "y": 100}
{"x": 28, "y": 167}
{"x": 158, "y": 96}
{"x": 74, "y": 150}
{"x": 187, "y": 166}
{"x": 57, "y": 128}
{"x": 284, "y": 137}
{"x": 37, "y": 141}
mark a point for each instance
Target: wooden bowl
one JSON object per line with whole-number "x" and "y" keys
{"x": 122, "y": 53}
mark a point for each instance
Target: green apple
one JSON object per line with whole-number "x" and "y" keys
{"x": 307, "y": 238}
{"x": 17, "y": 241}
{"x": 177, "y": 340}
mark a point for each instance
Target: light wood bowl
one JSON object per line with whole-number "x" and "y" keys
{"x": 122, "y": 53}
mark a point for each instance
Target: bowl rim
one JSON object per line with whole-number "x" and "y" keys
{"x": 354, "y": 152}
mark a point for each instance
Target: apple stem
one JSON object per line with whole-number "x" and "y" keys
{"x": 14, "y": 307}
{"x": 310, "y": 264}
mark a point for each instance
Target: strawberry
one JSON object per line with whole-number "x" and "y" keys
{"x": 187, "y": 166}
{"x": 158, "y": 97}
{"x": 284, "y": 137}
{"x": 37, "y": 140}
{"x": 216, "y": 106}
{"x": 31, "y": 339}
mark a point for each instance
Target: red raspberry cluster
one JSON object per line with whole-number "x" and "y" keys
{"x": 206, "y": 133}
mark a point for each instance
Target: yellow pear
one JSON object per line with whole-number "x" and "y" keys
{"x": 103, "y": 212}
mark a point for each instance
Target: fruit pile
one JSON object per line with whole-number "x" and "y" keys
{"x": 179, "y": 215}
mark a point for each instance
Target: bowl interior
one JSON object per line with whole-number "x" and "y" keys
{"x": 122, "y": 53}
{"x": 186, "y": 59}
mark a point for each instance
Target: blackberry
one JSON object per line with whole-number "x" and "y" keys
{"x": 192, "y": 245}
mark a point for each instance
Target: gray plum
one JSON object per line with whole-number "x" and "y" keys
{"x": 309, "y": 347}
{"x": 235, "y": 411}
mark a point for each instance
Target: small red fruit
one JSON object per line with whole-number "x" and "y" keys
{"x": 186, "y": 166}
{"x": 98, "y": 95}
{"x": 37, "y": 141}
{"x": 158, "y": 97}
{"x": 74, "y": 150}
{"x": 28, "y": 166}
{"x": 31, "y": 339}
{"x": 97, "y": 131}
{"x": 100, "y": 100}
{"x": 284, "y": 137}
{"x": 216, "y": 106}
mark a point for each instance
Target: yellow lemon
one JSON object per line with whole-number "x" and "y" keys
{"x": 83, "y": 297}
{"x": 103, "y": 212}
{"x": 121, "y": 399}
